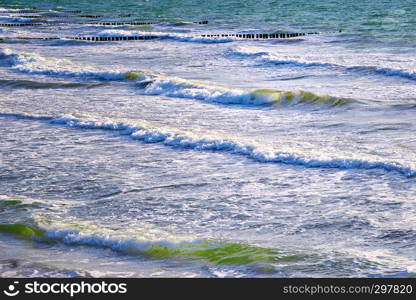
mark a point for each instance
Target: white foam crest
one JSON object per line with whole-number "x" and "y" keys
{"x": 149, "y": 84}
{"x": 163, "y": 35}
{"x": 78, "y": 237}
{"x": 174, "y": 138}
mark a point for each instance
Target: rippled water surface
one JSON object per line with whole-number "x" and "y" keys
{"x": 187, "y": 155}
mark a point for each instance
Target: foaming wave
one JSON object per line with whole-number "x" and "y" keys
{"x": 66, "y": 41}
{"x": 385, "y": 71}
{"x": 181, "y": 88}
{"x": 273, "y": 58}
{"x": 269, "y": 57}
{"x": 9, "y": 19}
{"x": 30, "y": 84}
{"x": 217, "y": 252}
{"x": 99, "y": 26}
{"x": 173, "y": 138}
{"x": 151, "y": 84}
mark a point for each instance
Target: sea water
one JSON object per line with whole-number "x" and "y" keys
{"x": 194, "y": 156}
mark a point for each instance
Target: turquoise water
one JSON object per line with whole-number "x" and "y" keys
{"x": 370, "y": 23}
{"x": 193, "y": 156}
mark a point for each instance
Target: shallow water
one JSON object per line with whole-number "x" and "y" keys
{"x": 194, "y": 156}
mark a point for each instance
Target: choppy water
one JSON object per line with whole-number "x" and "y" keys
{"x": 193, "y": 156}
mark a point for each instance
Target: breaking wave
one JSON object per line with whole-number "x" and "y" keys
{"x": 148, "y": 133}
{"x": 151, "y": 84}
{"x": 273, "y": 58}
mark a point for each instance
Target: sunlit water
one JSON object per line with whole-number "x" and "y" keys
{"x": 208, "y": 157}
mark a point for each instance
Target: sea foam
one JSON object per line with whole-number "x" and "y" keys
{"x": 156, "y": 84}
